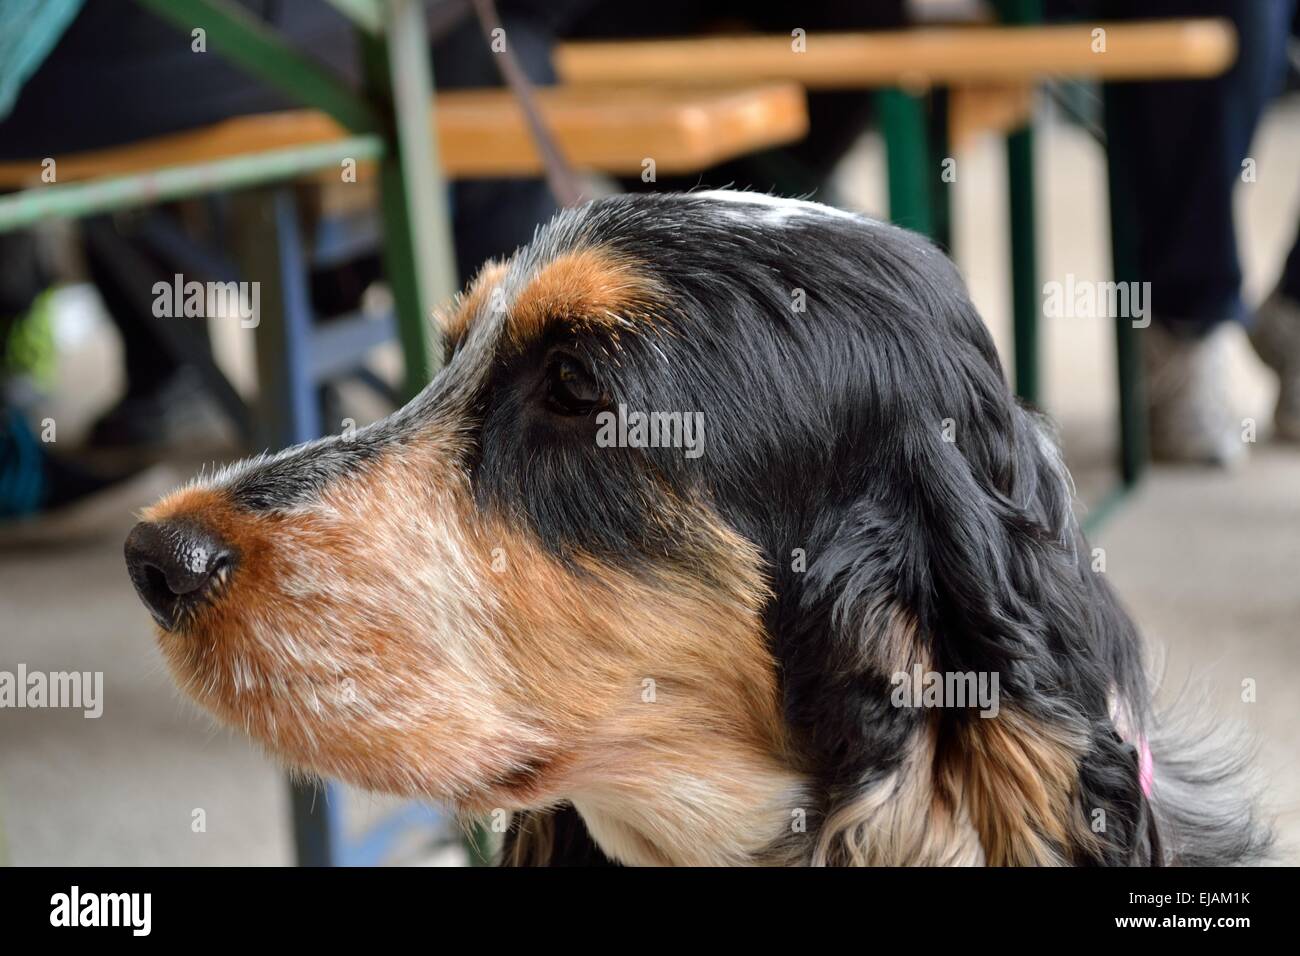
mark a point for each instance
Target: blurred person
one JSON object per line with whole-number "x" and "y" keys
{"x": 1276, "y": 337}
{"x": 1181, "y": 146}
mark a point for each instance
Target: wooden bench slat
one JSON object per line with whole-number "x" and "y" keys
{"x": 614, "y": 130}
{"x": 913, "y": 58}
{"x": 482, "y": 133}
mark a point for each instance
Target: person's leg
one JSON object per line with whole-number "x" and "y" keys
{"x": 148, "y": 365}
{"x": 1180, "y": 149}
{"x": 1289, "y": 285}
{"x": 1276, "y": 337}
{"x": 1184, "y": 143}
{"x": 165, "y": 400}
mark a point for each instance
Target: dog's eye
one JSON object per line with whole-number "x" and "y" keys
{"x": 569, "y": 389}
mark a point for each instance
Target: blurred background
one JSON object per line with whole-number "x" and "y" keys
{"x": 341, "y": 167}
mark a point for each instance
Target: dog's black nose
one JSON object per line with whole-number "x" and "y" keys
{"x": 173, "y": 565}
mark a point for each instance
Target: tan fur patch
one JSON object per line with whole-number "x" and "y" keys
{"x": 455, "y": 319}
{"x": 1002, "y": 792}
{"x": 902, "y": 821}
{"x": 1017, "y": 779}
{"x": 589, "y": 288}
{"x": 896, "y": 645}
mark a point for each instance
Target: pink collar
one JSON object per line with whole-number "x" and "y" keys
{"x": 1146, "y": 766}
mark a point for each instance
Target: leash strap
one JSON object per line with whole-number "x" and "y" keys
{"x": 560, "y": 177}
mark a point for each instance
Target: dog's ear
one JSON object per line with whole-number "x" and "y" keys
{"x": 551, "y": 838}
{"x": 961, "y": 555}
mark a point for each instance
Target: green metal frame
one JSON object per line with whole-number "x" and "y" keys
{"x": 417, "y": 235}
{"x": 74, "y": 200}
{"x": 1026, "y": 299}
{"x": 941, "y": 191}
{"x": 907, "y": 158}
{"x": 1133, "y": 443}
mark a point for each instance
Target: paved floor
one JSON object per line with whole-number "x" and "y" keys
{"x": 1209, "y": 564}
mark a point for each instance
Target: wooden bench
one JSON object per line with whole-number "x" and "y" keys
{"x": 912, "y": 58}
{"x": 482, "y": 133}
{"x": 990, "y": 69}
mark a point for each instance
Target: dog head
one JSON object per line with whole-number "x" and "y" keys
{"x": 703, "y": 474}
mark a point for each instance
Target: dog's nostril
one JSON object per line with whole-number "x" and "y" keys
{"x": 173, "y": 564}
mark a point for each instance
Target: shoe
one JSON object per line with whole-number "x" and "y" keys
{"x": 1190, "y": 413}
{"x": 1276, "y": 337}
{"x": 45, "y": 500}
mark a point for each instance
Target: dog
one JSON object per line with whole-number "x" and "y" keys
{"x": 515, "y": 596}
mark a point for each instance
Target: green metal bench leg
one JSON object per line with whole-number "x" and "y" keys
{"x": 1025, "y": 298}
{"x": 907, "y": 156}
{"x": 1133, "y": 456}
{"x": 1133, "y": 446}
{"x": 941, "y": 188}
{"x": 317, "y": 823}
{"x": 417, "y": 231}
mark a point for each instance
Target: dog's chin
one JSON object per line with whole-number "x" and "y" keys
{"x": 322, "y": 725}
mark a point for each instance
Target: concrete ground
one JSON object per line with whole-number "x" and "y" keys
{"x": 1208, "y": 563}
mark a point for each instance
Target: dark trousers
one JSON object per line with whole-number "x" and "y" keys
{"x": 1182, "y": 147}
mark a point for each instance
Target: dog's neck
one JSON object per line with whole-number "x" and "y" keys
{"x": 700, "y": 799}
{"x": 697, "y": 823}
